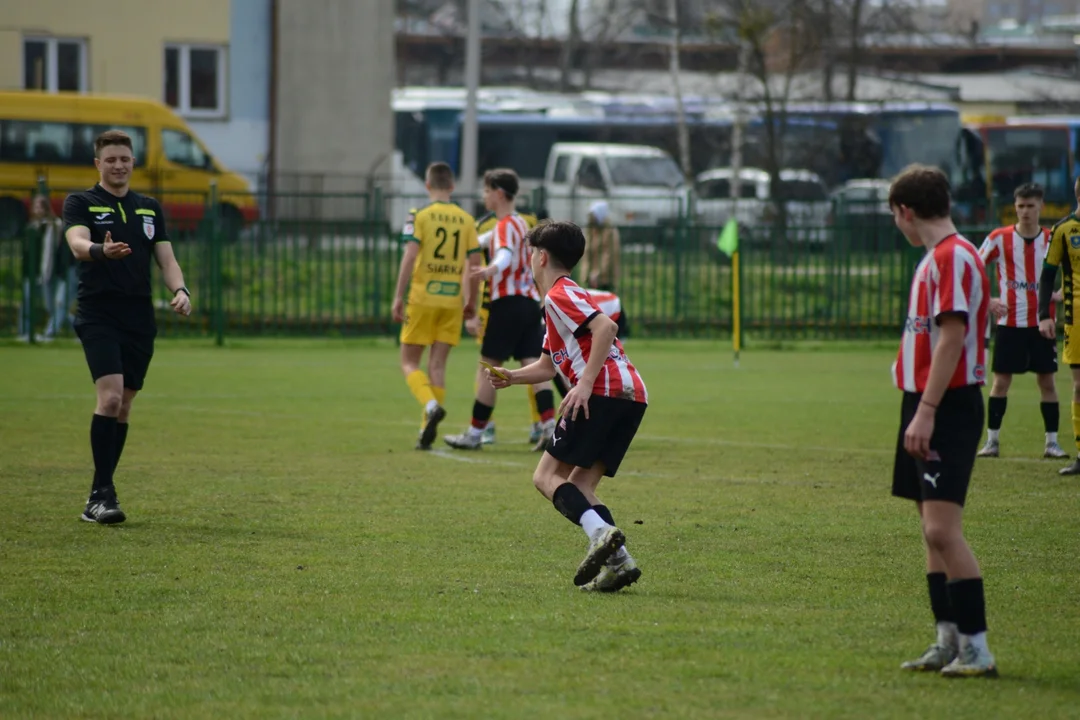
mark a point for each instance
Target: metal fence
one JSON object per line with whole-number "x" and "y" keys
{"x": 284, "y": 274}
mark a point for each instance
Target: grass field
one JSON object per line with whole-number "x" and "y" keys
{"x": 288, "y": 554}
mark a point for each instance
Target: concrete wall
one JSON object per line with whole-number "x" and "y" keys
{"x": 335, "y": 74}
{"x": 125, "y": 38}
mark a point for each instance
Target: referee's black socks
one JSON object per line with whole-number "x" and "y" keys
{"x": 103, "y": 438}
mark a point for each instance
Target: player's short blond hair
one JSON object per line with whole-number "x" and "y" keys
{"x": 439, "y": 176}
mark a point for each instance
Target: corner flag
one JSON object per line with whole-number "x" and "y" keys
{"x": 728, "y": 243}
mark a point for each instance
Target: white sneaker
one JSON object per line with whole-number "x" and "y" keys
{"x": 990, "y": 449}
{"x": 1053, "y": 450}
{"x": 614, "y": 576}
{"x": 971, "y": 662}
{"x": 464, "y": 441}
{"x": 603, "y": 545}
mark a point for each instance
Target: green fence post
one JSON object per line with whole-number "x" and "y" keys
{"x": 217, "y": 295}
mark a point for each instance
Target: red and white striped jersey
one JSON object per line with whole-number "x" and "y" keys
{"x": 1019, "y": 263}
{"x": 608, "y": 302}
{"x": 567, "y": 308}
{"x": 517, "y": 279}
{"x": 950, "y": 279}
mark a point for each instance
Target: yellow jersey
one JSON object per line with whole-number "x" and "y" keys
{"x": 447, "y": 236}
{"x": 1064, "y": 252}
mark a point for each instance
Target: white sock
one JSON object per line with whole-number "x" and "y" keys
{"x": 432, "y": 404}
{"x": 978, "y": 640}
{"x": 474, "y": 432}
{"x": 1051, "y": 438}
{"x": 592, "y": 523}
{"x": 992, "y": 435}
{"x": 947, "y": 634}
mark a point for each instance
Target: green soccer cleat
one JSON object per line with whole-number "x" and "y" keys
{"x": 934, "y": 659}
{"x": 971, "y": 662}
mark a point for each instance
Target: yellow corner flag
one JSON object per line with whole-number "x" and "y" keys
{"x": 728, "y": 241}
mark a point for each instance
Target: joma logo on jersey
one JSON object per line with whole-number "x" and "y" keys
{"x": 917, "y": 324}
{"x": 559, "y": 356}
{"x": 1022, "y": 285}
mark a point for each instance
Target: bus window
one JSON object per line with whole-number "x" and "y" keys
{"x": 58, "y": 143}
{"x": 1019, "y": 154}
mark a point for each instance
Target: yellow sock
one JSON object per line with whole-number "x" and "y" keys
{"x": 1076, "y": 425}
{"x": 532, "y": 404}
{"x": 440, "y": 394}
{"x": 420, "y": 386}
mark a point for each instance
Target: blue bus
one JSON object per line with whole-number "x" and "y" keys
{"x": 838, "y": 141}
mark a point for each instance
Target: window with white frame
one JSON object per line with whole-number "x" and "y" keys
{"x": 53, "y": 64}
{"x": 195, "y": 80}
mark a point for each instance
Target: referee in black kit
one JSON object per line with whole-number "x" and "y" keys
{"x": 113, "y": 232}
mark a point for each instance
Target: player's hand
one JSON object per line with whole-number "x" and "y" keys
{"x": 998, "y": 308}
{"x": 576, "y": 399}
{"x": 919, "y": 430}
{"x": 484, "y": 273}
{"x": 470, "y": 311}
{"x": 115, "y": 250}
{"x": 181, "y": 303}
{"x": 472, "y": 325}
{"x": 397, "y": 310}
{"x": 1058, "y": 296}
{"x": 499, "y": 382}
{"x": 1047, "y": 329}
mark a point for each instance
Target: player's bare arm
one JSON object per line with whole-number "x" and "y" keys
{"x": 472, "y": 287}
{"x": 173, "y": 276}
{"x": 950, "y": 345}
{"x": 540, "y": 371}
{"x": 603, "y": 330}
{"x": 86, "y": 250}
{"x": 408, "y": 259}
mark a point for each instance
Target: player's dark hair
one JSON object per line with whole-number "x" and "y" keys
{"x": 1028, "y": 191}
{"x": 922, "y": 188}
{"x": 502, "y": 179}
{"x": 111, "y": 137}
{"x": 563, "y": 240}
{"x": 439, "y": 176}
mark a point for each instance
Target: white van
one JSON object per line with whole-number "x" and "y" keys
{"x": 642, "y": 185}
{"x": 804, "y": 193}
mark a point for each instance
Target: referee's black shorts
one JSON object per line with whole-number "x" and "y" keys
{"x": 514, "y": 329}
{"x": 1021, "y": 350}
{"x": 117, "y": 342}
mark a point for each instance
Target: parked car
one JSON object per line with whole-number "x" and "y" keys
{"x": 861, "y": 216}
{"x": 804, "y": 194}
{"x": 642, "y": 185}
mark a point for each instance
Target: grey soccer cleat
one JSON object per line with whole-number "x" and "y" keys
{"x": 990, "y": 449}
{"x": 935, "y": 658}
{"x": 971, "y": 662}
{"x": 464, "y": 441}
{"x": 602, "y": 546}
{"x": 614, "y": 576}
{"x": 1073, "y": 469}
{"x": 488, "y": 436}
{"x": 103, "y": 510}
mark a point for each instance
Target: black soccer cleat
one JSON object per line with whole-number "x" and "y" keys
{"x": 103, "y": 510}
{"x": 431, "y": 427}
{"x": 1073, "y": 469}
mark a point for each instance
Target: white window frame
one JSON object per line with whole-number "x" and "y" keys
{"x": 52, "y": 55}
{"x": 183, "y": 90}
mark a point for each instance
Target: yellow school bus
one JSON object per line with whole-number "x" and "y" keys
{"x": 49, "y": 137}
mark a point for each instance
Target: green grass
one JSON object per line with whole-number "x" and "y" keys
{"x": 289, "y": 555}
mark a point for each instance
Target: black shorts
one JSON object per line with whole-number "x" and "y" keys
{"x": 115, "y": 346}
{"x": 605, "y": 436}
{"x": 1021, "y": 350}
{"x": 958, "y": 426}
{"x": 514, "y": 329}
